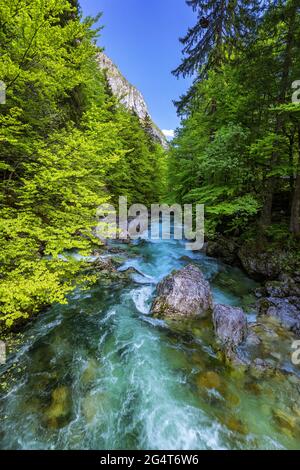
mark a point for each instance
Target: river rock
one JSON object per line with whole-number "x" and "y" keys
{"x": 183, "y": 293}
{"x": 235, "y": 425}
{"x": 287, "y": 422}
{"x": 287, "y": 310}
{"x": 223, "y": 248}
{"x": 284, "y": 287}
{"x": 230, "y": 325}
{"x": 281, "y": 299}
{"x": 260, "y": 264}
{"x": 209, "y": 380}
{"x": 104, "y": 264}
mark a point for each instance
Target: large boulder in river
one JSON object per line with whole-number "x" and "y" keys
{"x": 183, "y": 293}
{"x": 230, "y": 325}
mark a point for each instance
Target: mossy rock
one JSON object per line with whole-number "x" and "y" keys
{"x": 287, "y": 423}
{"x": 253, "y": 387}
{"x": 210, "y": 380}
{"x": 238, "y": 373}
{"x": 232, "y": 399}
{"x": 197, "y": 359}
{"x": 296, "y": 410}
{"x": 235, "y": 425}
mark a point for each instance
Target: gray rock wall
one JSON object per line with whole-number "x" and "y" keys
{"x": 128, "y": 95}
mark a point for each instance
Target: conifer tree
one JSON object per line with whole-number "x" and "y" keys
{"x": 221, "y": 26}
{"x": 242, "y": 159}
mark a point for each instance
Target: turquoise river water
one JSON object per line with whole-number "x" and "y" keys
{"x": 101, "y": 373}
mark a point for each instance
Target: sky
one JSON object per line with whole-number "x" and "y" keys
{"x": 142, "y": 39}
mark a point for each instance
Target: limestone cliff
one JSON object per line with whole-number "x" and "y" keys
{"x": 128, "y": 95}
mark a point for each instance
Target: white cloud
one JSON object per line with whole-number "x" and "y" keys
{"x": 169, "y": 133}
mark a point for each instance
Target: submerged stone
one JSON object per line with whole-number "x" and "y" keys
{"x": 209, "y": 380}
{"x": 239, "y": 373}
{"x": 253, "y": 387}
{"x": 235, "y": 425}
{"x": 287, "y": 310}
{"x": 59, "y": 412}
{"x": 230, "y": 325}
{"x": 197, "y": 359}
{"x": 89, "y": 407}
{"x": 90, "y": 372}
{"x": 233, "y": 399}
{"x": 288, "y": 423}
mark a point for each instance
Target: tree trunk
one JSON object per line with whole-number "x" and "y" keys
{"x": 219, "y": 34}
{"x": 291, "y": 138}
{"x": 295, "y": 209}
{"x": 266, "y": 212}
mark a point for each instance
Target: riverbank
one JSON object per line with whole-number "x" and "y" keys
{"x": 102, "y": 372}
{"x": 275, "y": 265}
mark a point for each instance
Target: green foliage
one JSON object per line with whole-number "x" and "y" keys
{"x": 238, "y": 148}
{"x": 210, "y": 43}
{"x": 66, "y": 147}
{"x": 139, "y": 174}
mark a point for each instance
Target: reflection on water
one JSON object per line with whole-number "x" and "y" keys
{"x": 100, "y": 373}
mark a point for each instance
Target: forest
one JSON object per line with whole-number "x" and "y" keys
{"x": 144, "y": 343}
{"x": 238, "y": 148}
{"x": 67, "y": 146}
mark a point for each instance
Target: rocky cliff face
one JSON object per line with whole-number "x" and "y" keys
{"x": 129, "y": 95}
